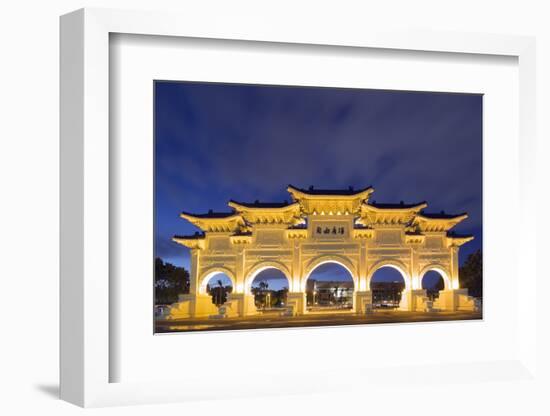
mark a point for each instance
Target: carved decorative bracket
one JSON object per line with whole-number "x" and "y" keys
{"x": 363, "y": 233}
{"x": 296, "y": 234}
{"x": 241, "y": 239}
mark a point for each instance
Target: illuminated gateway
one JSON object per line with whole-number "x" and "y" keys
{"x": 321, "y": 226}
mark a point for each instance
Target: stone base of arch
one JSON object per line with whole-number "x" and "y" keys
{"x": 414, "y": 301}
{"x": 240, "y": 304}
{"x": 362, "y": 302}
{"x": 201, "y": 306}
{"x": 296, "y": 303}
{"x": 192, "y": 306}
{"x": 456, "y": 300}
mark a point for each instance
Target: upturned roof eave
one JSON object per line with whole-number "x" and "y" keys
{"x": 239, "y": 206}
{"x": 204, "y": 217}
{"x": 410, "y": 208}
{"x": 442, "y": 218}
{"x": 298, "y": 193}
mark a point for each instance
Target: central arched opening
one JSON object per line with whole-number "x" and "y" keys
{"x": 387, "y": 285}
{"x": 433, "y": 281}
{"x": 270, "y": 289}
{"x": 329, "y": 286}
{"x": 219, "y": 286}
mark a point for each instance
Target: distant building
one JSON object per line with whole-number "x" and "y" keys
{"x": 386, "y": 294}
{"x": 326, "y": 293}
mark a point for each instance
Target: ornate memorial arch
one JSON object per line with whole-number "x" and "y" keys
{"x": 319, "y": 226}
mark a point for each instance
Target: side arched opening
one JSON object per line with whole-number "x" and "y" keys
{"x": 218, "y": 285}
{"x": 434, "y": 280}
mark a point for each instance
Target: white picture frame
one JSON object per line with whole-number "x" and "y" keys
{"x": 85, "y": 201}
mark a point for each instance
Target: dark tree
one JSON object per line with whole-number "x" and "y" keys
{"x": 433, "y": 292}
{"x": 260, "y": 294}
{"x": 280, "y": 296}
{"x": 471, "y": 274}
{"x": 170, "y": 281}
{"x": 219, "y": 292}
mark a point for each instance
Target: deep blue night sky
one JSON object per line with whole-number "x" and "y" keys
{"x": 216, "y": 142}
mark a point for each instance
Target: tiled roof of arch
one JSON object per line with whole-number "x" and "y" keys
{"x": 211, "y": 214}
{"x": 400, "y": 205}
{"x": 196, "y": 236}
{"x": 331, "y": 192}
{"x": 258, "y": 204}
{"x": 442, "y": 215}
{"x": 351, "y": 202}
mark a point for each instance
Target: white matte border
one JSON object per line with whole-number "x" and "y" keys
{"x": 85, "y": 343}
{"x": 137, "y": 61}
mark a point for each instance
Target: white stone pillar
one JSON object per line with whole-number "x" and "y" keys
{"x": 296, "y": 302}
{"x": 194, "y": 304}
{"x": 296, "y": 298}
{"x": 362, "y": 278}
{"x": 239, "y": 271}
{"x": 362, "y": 302}
{"x": 239, "y": 302}
{"x": 296, "y": 269}
{"x": 413, "y": 300}
{"x": 194, "y": 272}
{"x": 416, "y": 282}
{"x": 455, "y": 284}
{"x": 455, "y": 299}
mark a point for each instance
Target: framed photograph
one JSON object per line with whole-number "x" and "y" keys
{"x": 309, "y": 256}
{"x": 231, "y": 197}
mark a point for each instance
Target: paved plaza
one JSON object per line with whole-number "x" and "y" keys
{"x": 273, "y": 320}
